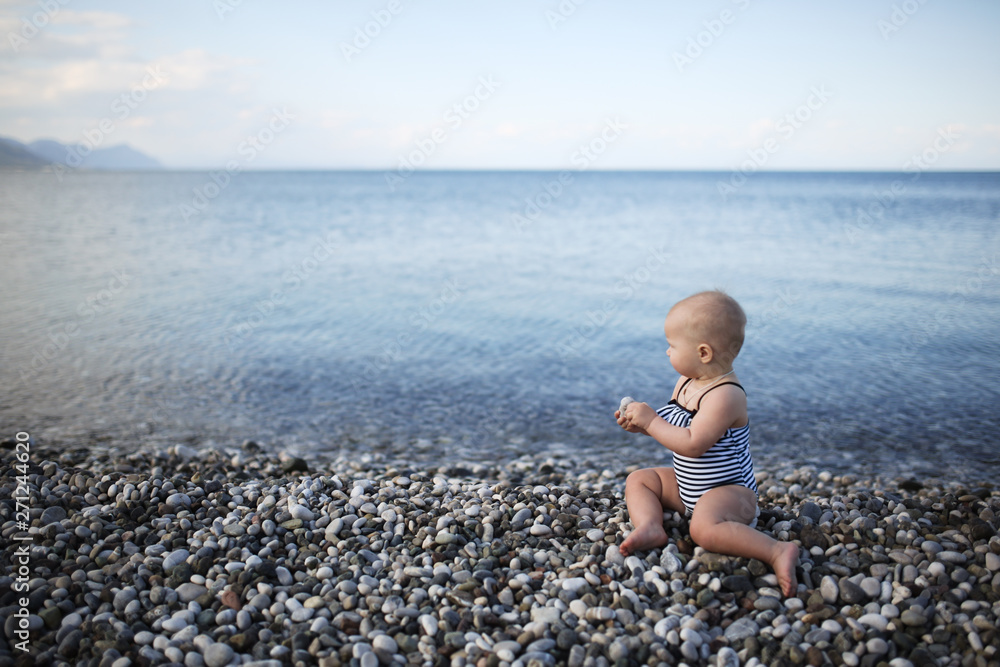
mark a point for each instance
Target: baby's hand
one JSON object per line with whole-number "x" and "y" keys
{"x": 627, "y": 414}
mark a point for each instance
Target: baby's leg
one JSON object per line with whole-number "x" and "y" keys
{"x": 719, "y": 524}
{"x": 648, "y": 492}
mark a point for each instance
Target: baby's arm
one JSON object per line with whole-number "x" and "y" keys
{"x": 719, "y": 410}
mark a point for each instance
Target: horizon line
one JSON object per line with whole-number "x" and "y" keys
{"x": 548, "y": 170}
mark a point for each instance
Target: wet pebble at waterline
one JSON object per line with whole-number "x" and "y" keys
{"x": 240, "y": 557}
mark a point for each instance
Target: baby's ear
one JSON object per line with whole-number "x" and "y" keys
{"x": 705, "y": 353}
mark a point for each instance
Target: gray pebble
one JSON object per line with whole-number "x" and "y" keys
{"x": 727, "y": 658}
{"x": 954, "y": 557}
{"x": 690, "y": 651}
{"x": 218, "y": 655}
{"x": 741, "y": 628}
{"x": 877, "y": 646}
{"x": 811, "y": 511}
{"x": 850, "y": 592}
{"x": 614, "y": 555}
{"x": 175, "y": 558}
{"x": 519, "y": 519}
{"x": 124, "y": 597}
{"x": 179, "y": 500}
{"x": 618, "y": 650}
{"x": 829, "y": 589}
{"x": 912, "y": 618}
{"x": 53, "y": 514}
{"x": 187, "y": 592}
{"x": 670, "y": 562}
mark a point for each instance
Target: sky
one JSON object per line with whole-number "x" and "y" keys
{"x": 510, "y": 84}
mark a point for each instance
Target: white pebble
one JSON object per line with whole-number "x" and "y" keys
{"x": 301, "y": 512}
{"x": 573, "y": 584}
{"x": 173, "y": 625}
{"x": 876, "y": 621}
{"x": 385, "y": 644}
{"x": 428, "y": 624}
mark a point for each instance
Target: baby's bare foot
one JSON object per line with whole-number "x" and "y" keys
{"x": 642, "y": 538}
{"x": 784, "y": 562}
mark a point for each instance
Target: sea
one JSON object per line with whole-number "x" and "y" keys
{"x": 485, "y": 316}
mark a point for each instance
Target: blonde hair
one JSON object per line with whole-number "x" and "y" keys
{"x": 717, "y": 319}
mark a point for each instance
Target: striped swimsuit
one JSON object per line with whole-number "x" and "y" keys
{"x": 727, "y": 462}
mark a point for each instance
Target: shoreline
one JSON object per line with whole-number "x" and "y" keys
{"x": 244, "y": 556}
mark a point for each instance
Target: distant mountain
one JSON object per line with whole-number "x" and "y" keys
{"x": 15, "y": 154}
{"x": 43, "y": 152}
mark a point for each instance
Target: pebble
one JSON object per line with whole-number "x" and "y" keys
{"x": 385, "y": 644}
{"x": 175, "y": 624}
{"x": 174, "y": 558}
{"x": 670, "y": 562}
{"x": 829, "y": 589}
{"x": 954, "y": 557}
{"x": 573, "y": 584}
{"x": 877, "y": 646}
{"x": 230, "y": 559}
{"x": 877, "y": 621}
{"x": 300, "y": 512}
{"x": 218, "y": 655}
{"x": 727, "y": 657}
{"x": 179, "y": 500}
{"x": 188, "y": 592}
{"x": 850, "y": 592}
{"x": 871, "y": 586}
{"x": 992, "y": 562}
{"x": 811, "y": 511}
{"x": 742, "y": 628}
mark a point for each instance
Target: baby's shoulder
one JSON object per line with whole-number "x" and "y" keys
{"x": 727, "y": 402}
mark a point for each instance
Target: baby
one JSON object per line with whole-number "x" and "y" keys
{"x": 706, "y": 427}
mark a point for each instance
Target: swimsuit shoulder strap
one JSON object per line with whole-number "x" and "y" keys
{"x": 721, "y": 384}
{"x": 686, "y": 383}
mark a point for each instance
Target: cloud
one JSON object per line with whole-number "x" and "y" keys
{"x": 63, "y": 33}
{"x": 197, "y": 69}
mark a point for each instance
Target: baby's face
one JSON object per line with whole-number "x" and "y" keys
{"x": 682, "y": 348}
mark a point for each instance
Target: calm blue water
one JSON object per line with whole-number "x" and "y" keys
{"x": 321, "y": 311}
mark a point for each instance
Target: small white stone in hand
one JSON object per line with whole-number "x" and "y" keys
{"x": 625, "y": 402}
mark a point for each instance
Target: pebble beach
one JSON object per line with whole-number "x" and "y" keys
{"x": 243, "y": 556}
